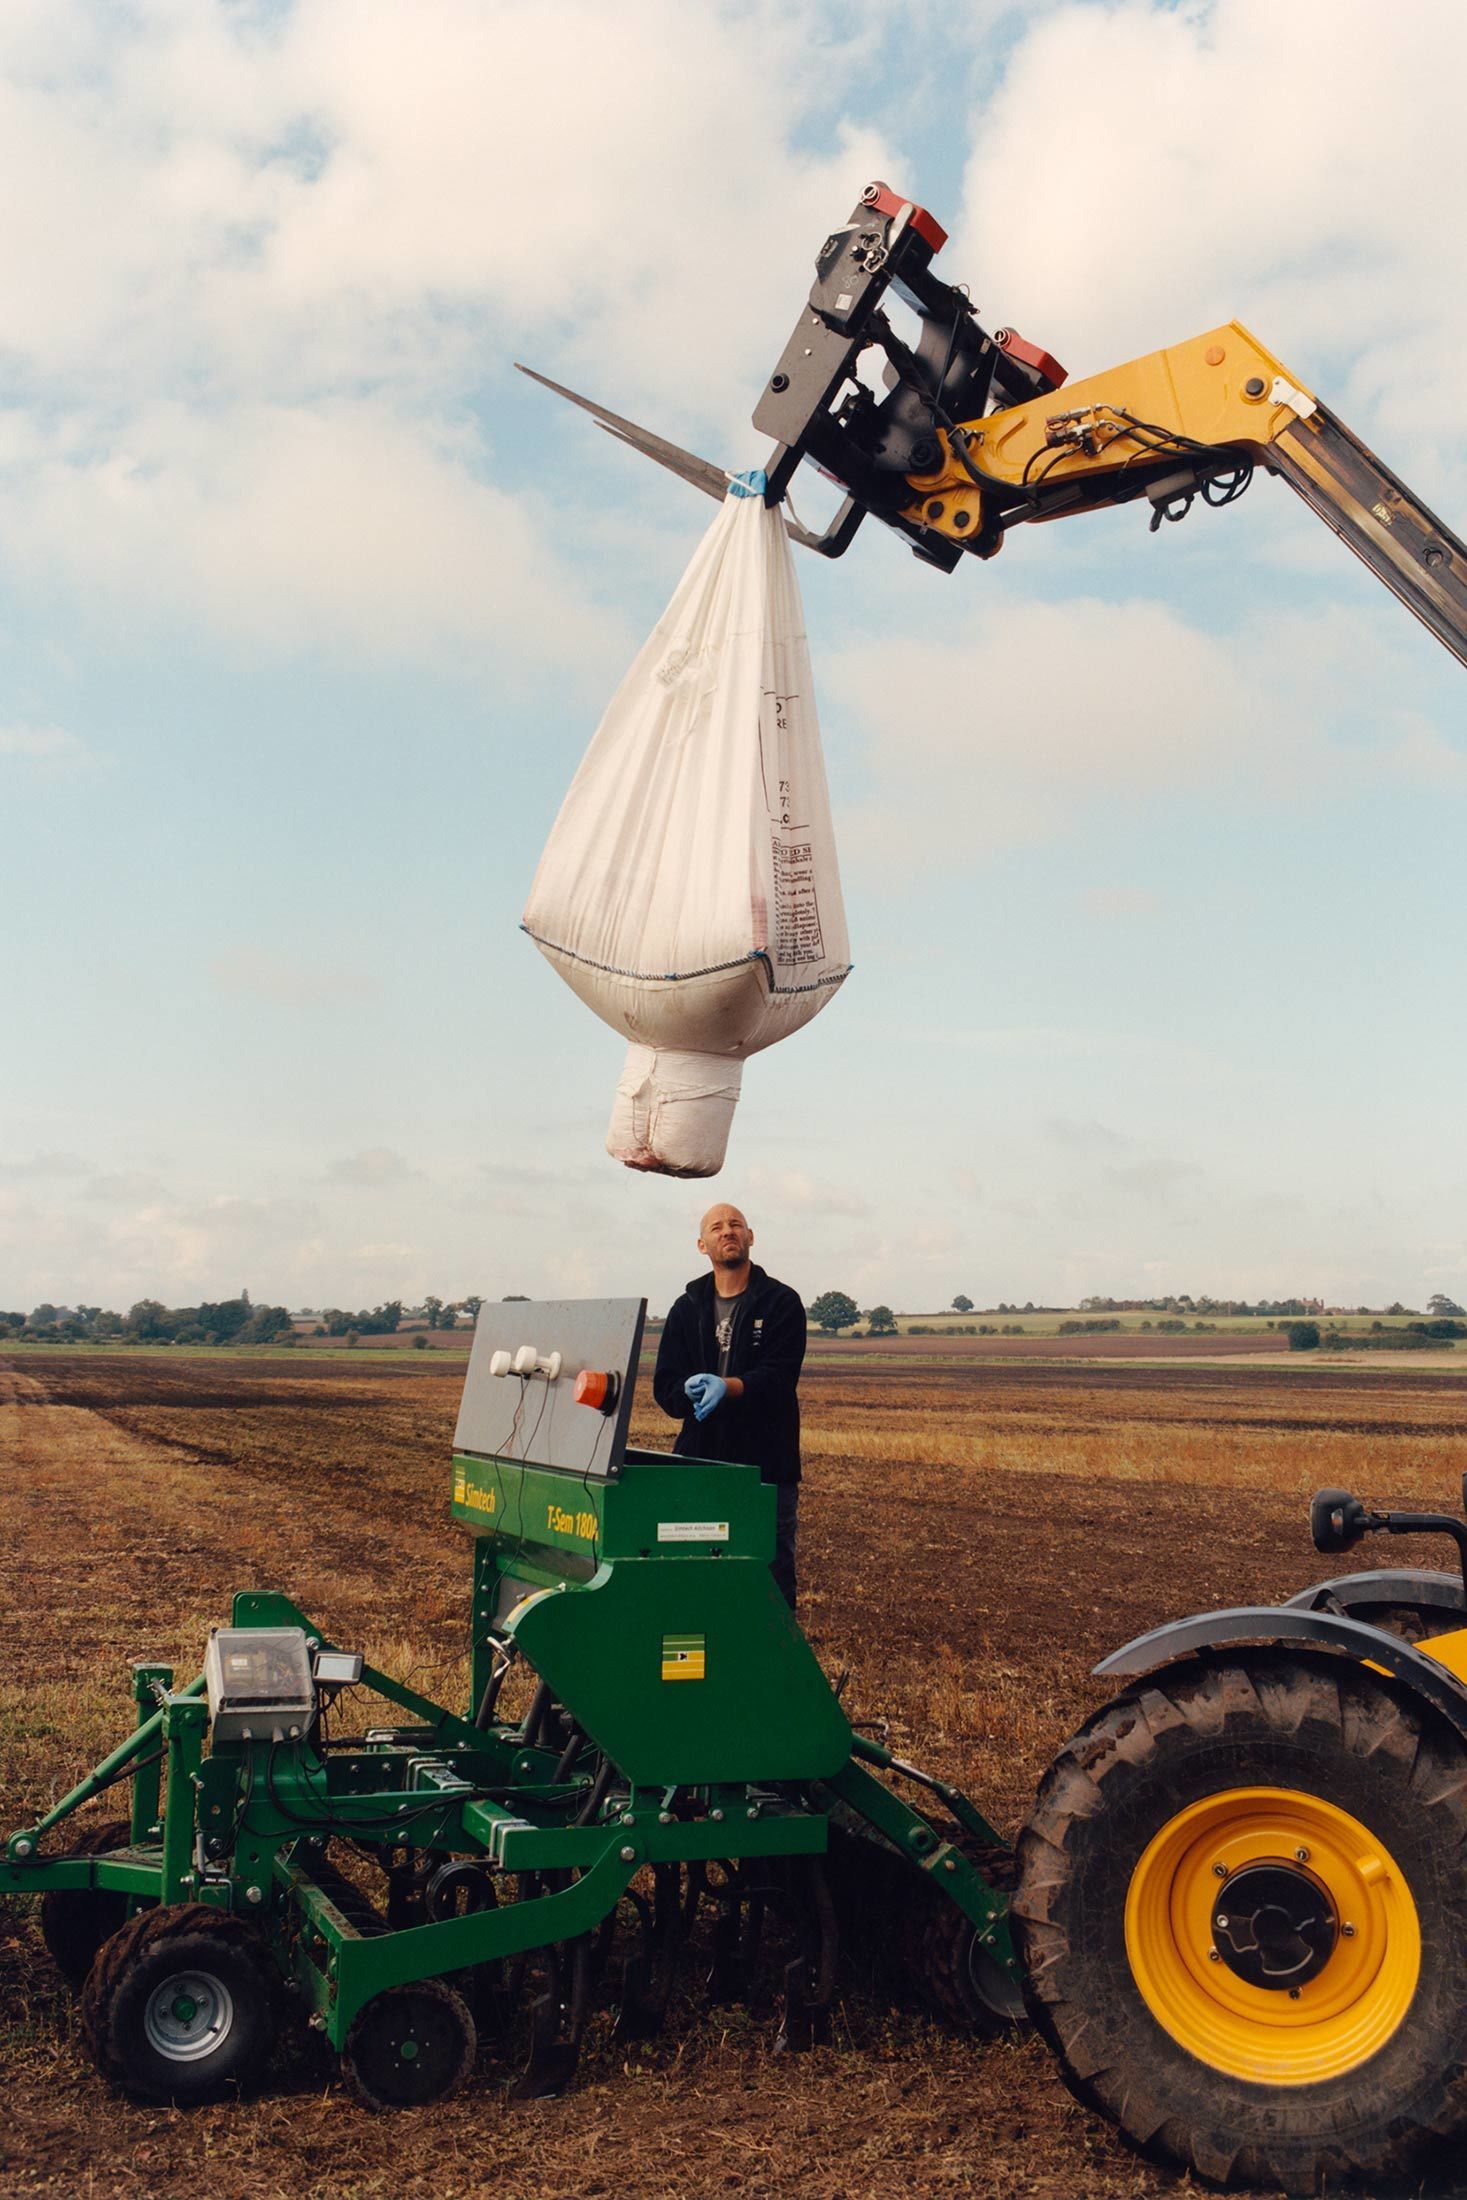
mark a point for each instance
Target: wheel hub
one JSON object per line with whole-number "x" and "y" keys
{"x": 1274, "y": 1926}
{"x": 1273, "y": 1935}
{"x": 188, "y": 2015}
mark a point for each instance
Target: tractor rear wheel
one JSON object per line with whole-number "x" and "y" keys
{"x": 180, "y": 2005}
{"x": 1242, "y": 1899}
{"x": 76, "y": 1920}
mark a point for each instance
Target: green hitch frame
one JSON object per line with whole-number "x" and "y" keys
{"x": 22, "y": 1846}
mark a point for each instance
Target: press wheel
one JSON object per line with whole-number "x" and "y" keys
{"x": 409, "y": 2045}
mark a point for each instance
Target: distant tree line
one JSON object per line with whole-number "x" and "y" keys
{"x": 383, "y": 1321}
{"x": 375, "y": 1321}
{"x": 1415, "y": 1336}
{"x": 240, "y": 1321}
{"x": 1183, "y": 1303}
{"x": 149, "y": 1321}
{"x": 216, "y": 1321}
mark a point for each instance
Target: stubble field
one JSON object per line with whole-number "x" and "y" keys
{"x": 975, "y": 1532}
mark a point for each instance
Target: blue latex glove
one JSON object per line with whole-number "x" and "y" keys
{"x": 704, "y": 1393}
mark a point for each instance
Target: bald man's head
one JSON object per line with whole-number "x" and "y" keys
{"x": 724, "y": 1237}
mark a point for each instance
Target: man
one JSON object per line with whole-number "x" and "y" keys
{"x": 727, "y": 1368}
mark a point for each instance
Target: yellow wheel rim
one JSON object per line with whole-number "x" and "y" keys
{"x": 1338, "y": 2018}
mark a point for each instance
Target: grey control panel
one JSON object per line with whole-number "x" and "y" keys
{"x": 550, "y": 1383}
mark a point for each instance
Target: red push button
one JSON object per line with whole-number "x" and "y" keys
{"x": 597, "y": 1389}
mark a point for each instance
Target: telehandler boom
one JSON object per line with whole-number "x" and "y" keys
{"x": 970, "y": 440}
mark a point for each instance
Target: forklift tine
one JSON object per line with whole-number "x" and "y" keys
{"x": 700, "y": 473}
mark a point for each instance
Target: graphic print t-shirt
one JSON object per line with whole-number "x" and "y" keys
{"x": 723, "y": 1325}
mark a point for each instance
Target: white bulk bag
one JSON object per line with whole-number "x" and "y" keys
{"x": 689, "y": 891}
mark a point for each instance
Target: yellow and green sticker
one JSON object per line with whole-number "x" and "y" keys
{"x": 684, "y": 1657}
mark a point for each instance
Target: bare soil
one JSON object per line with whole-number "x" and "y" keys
{"x": 975, "y": 1534}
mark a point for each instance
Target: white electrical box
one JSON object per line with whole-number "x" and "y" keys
{"x": 259, "y": 1684}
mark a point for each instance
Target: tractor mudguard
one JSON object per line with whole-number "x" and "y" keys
{"x": 1272, "y": 1624}
{"x": 1391, "y": 1585}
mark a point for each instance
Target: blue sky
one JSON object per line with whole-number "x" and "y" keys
{"x": 309, "y": 605}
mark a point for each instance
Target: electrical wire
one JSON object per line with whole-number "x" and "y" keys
{"x": 608, "y": 1422}
{"x": 126, "y": 1772}
{"x": 247, "y": 1784}
{"x": 529, "y": 1444}
{"x": 506, "y": 1449}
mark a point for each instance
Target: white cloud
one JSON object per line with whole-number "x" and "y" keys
{"x": 41, "y": 744}
{"x": 1086, "y": 1137}
{"x": 389, "y": 1253}
{"x": 261, "y": 270}
{"x": 1187, "y": 166}
{"x": 154, "y": 1246}
{"x": 1151, "y": 1181}
{"x": 292, "y": 981}
{"x": 344, "y": 523}
{"x": 127, "y": 1188}
{"x": 47, "y": 1165}
{"x": 795, "y": 1191}
{"x": 376, "y": 1166}
{"x": 1116, "y": 903}
{"x": 1023, "y": 718}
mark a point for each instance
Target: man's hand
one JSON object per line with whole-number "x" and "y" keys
{"x": 704, "y": 1393}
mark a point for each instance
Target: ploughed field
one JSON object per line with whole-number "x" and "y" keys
{"x": 975, "y": 1534}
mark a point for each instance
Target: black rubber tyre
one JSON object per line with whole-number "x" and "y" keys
{"x": 1338, "y": 1738}
{"x": 180, "y": 2005}
{"x": 409, "y": 2045}
{"x": 75, "y": 1921}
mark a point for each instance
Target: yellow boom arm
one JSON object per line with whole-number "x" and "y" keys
{"x": 1194, "y": 418}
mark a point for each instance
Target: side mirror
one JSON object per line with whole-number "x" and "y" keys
{"x": 1337, "y": 1521}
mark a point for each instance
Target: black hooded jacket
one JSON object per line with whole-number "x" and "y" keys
{"x": 761, "y": 1429}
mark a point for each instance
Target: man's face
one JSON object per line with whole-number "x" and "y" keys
{"x": 725, "y": 1237}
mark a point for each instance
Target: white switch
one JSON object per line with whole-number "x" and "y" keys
{"x": 527, "y": 1361}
